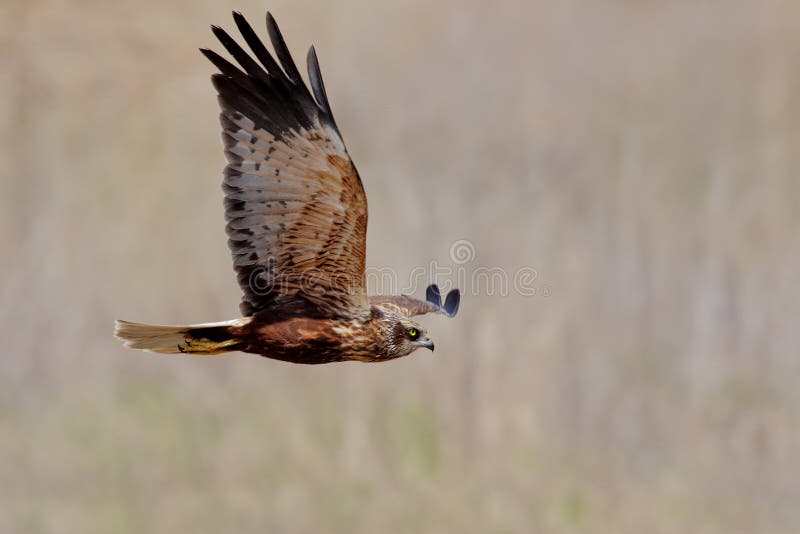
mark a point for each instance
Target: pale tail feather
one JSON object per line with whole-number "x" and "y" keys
{"x": 208, "y": 338}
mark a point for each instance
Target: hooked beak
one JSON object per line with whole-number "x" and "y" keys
{"x": 427, "y": 343}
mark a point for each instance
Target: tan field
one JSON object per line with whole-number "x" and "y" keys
{"x": 638, "y": 161}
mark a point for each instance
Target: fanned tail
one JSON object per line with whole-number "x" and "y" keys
{"x": 209, "y": 338}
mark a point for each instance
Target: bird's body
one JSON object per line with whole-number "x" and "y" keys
{"x": 310, "y": 340}
{"x": 296, "y": 216}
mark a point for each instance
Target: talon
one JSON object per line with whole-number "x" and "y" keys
{"x": 180, "y": 348}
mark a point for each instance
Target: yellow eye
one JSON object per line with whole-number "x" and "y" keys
{"x": 413, "y": 333}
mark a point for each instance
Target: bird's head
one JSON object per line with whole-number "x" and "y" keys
{"x": 402, "y": 336}
{"x": 409, "y": 336}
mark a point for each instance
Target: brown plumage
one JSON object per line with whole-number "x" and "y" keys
{"x": 296, "y": 217}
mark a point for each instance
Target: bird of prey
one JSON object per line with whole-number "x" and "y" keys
{"x": 296, "y": 217}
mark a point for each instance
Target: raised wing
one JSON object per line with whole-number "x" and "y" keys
{"x": 294, "y": 203}
{"x": 409, "y": 306}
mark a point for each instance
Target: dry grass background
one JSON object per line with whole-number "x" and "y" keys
{"x": 642, "y": 156}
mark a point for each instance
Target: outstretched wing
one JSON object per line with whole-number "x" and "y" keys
{"x": 409, "y": 306}
{"x": 294, "y": 203}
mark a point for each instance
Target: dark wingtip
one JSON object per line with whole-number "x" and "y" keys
{"x": 238, "y": 18}
{"x": 451, "y": 303}
{"x": 284, "y": 56}
{"x": 273, "y": 30}
{"x": 433, "y": 295}
{"x": 312, "y": 64}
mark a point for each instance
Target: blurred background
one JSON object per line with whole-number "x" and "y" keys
{"x": 641, "y": 156}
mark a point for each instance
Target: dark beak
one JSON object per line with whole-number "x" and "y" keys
{"x": 427, "y": 343}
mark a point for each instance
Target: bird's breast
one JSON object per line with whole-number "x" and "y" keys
{"x": 310, "y": 340}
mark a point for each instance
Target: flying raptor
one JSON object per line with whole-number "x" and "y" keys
{"x": 296, "y": 217}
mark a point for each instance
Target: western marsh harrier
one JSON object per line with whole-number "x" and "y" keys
{"x": 296, "y": 221}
